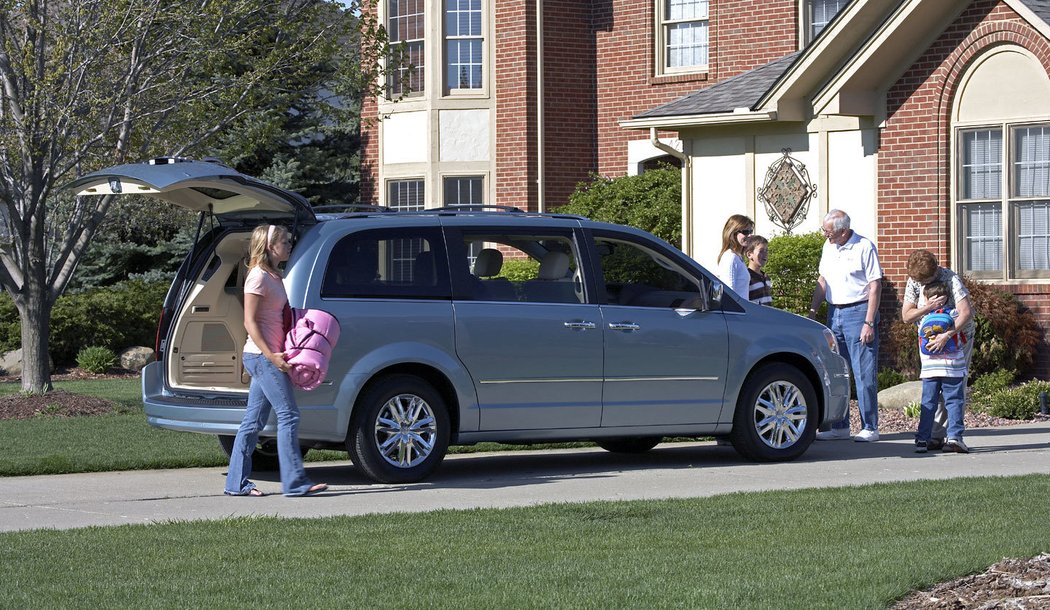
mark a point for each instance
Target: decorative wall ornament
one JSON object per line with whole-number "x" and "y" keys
{"x": 787, "y": 191}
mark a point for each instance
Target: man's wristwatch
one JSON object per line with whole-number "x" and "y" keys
{"x": 870, "y": 323}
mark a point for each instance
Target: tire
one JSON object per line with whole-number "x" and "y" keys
{"x": 776, "y": 415}
{"x": 639, "y": 444}
{"x": 264, "y": 458}
{"x": 399, "y": 431}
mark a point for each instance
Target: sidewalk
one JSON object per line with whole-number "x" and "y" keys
{"x": 508, "y": 479}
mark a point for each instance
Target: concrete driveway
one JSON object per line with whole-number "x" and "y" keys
{"x": 676, "y": 470}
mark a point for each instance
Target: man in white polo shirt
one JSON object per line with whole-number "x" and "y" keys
{"x": 851, "y": 281}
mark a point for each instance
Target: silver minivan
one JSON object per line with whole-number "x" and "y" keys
{"x": 468, "y": 325}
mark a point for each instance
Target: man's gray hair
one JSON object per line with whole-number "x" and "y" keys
{"x": 839, "y": 220}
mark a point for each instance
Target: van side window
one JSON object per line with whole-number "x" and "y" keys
{"x": 637, "y": 276}
{"x": 524, "y": 267}
{"x": 399, "y": 264}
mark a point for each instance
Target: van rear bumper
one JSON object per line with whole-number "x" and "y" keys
{"x": 206, "y": 414}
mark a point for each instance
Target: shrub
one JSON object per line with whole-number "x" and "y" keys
{"x": 114, "y": 317}
{"x": 96, "y": 359}
{"x": 988, "y": 384}
{"x": 651, "y": 201}
{"x": 902, "y": 341}
{"x": 889, "y": 378}
{"x": 1021, "y": 402}
{"x": 520, "y": 270}
{"x": 792, "y": 265}
{"x": 1007, "y": 332}
{"x": 913, "y": 409}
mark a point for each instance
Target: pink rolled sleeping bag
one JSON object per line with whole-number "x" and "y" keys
{"x": 308, "y": 346}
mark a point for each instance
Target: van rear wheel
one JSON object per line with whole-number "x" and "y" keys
{"x": 264, "y": 458}
{"x": 399, "y": 431}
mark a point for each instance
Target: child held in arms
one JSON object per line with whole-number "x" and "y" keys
{"x": 943, "y": 372}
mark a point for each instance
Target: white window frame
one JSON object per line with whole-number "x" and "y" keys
{"x": 664, "y": 24}
{"x": 1007, "y": 204}
{"x": 481, "y": 38}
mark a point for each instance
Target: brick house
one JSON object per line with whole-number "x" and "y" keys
{"x": 927, "y": 120}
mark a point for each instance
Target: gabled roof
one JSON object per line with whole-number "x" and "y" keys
{"x": 1041, "y": 8}
{"x": 845, "y": 71}
{"x": 741, "y": 91}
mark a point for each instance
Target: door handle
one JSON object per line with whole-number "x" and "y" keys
{"x": 579, "y": 325}
{"x": 625, "y": 326}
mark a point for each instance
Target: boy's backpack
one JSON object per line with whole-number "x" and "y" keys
{"x": 935, "y": 323}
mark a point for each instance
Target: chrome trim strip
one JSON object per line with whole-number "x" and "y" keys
{"x": 558, "y": 380}
{"x": 592, "y": 379}
{"x": 662, "y": 379}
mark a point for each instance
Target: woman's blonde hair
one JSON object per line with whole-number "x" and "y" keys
{"x": 263, "y": 237}
{"x": 735, "y": 224}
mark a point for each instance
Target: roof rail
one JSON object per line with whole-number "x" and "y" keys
{"x": 346, "y": 208}
{"x": 476, "y": 207}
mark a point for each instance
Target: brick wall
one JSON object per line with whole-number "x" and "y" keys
{"x": 515, "y": 103}
{"x": 913, "y": 188}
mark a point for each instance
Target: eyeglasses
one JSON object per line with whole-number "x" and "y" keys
{"x": 746, "y": 232}
{"x": 828, "y": 233}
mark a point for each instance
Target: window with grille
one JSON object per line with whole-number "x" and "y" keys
{"x": 820, "y": 13}
{"x": 1003, "y": 195}
{"x": 683, "y": 35}
{"x": 401, "y": 254}
{"x": 463, "y": 44}
{"x": 405, "y": 27}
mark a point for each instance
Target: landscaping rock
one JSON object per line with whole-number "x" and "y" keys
{"x": 900, "y": 396}
{"x": 134, "y": 358}
{"x": 11, "y": 363}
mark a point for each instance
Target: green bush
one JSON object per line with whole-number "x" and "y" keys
{"x": 1021, "y": 402}
{"x": 520, "y": 270}
{"x": 115, "y": 317}
{"x": 792, "y": 266}
{"x": 651, "y": 201}
{"x": 988, "y": 384}
{"x": 913, "y": 409}
{"x": 96, "y": 359}
{"x": 889, "y": 378}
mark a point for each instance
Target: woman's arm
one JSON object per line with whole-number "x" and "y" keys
{"x": 251, "y": 324}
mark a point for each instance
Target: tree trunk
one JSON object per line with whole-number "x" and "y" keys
{"x": 35, "y": 314}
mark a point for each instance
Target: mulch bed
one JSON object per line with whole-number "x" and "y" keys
{"x": 59, "y": 403}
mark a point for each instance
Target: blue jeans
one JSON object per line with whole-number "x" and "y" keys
{"x": 269, "y": 388}
{"x": 954, "y": 390}
{"x": 846, "y": 323}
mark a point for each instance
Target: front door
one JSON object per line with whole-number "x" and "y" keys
{"x": 665, "y": 354}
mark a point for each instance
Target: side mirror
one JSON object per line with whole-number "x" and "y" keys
{"x": 715, "y": 293}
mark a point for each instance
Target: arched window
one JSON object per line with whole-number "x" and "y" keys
{"x": 1001, "y": 133}
{"x": 658, "y": 162}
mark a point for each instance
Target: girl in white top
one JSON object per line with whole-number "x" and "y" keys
{"x": 732, "y": 270}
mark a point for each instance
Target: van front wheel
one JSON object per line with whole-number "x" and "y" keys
{"x": 264, "y": 458}
{"x": 399, "y": 431}
{"x": 776, "y": 414}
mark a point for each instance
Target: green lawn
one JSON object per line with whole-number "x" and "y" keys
{"x": 834, "y": 548}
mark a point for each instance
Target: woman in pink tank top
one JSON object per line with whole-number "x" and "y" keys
{"x": 270, "y": 387}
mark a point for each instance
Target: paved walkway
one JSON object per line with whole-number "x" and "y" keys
{"x": 507, "y": 479}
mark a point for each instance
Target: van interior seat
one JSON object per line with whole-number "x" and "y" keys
{"x": 489, "y": 263}
{"x": 552, "y": 284}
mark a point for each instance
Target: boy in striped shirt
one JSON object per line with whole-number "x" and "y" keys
{"x": 760, "y": 289}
